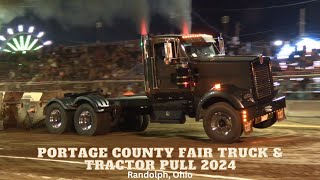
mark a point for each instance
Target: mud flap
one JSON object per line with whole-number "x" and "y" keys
{"x": 247, "y": 127}
{"x": 280, "y": 114}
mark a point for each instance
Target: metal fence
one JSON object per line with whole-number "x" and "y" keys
{"x": 299, "y": 87}
{"x": 294, "y": 87}
{"x": 113, "y": 88}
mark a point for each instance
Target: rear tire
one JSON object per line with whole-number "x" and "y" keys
{"x": 58, "y": 120}
{"x": 222, "y": 123}
{"x": 88, "y": 122}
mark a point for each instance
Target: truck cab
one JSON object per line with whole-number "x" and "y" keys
{"x": 184, "y": 75}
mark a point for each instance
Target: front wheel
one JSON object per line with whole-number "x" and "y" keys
{"x": 88, "y": 122}
{"x": 222, "y": 123}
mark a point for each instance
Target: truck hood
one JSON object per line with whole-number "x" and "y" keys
{"x": 225, "y": 70}
{"x": 226, "y": 58}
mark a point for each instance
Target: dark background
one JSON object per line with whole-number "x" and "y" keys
{"x": 256, "y": 25}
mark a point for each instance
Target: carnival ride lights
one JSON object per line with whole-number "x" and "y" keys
{"x": 309, "y": 43}
{"x": 23, "y": 40}
{"x": 278, "y": 43}
{"x": 288, "y": 49}
{"x": 285, "y": 51}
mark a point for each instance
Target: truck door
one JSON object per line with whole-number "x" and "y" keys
{"x": 165, "y": 75}
{"x": 168, "y": 98}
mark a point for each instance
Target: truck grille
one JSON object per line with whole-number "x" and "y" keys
{"x": 262, "y": 80}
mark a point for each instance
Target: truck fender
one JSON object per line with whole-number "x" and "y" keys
{"x": 214, "y": 97}
{"x": 65, "y": 103}
{"x": 98, "y": 102}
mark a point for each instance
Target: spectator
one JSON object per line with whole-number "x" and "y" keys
{"x": 314, "y": 55}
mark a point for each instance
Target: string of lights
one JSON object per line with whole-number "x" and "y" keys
{"x": 272, "y": 7}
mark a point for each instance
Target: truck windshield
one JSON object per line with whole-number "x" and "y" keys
{"x": 195, "y": 50}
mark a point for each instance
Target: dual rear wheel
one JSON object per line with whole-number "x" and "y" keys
{"x": 58, "y": 120}
{"x": 88, "y": 122}
{"x": 85, "y": 121}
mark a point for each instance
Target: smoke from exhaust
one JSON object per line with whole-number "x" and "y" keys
{"x": 88, "y": 12}
{"x": 177, "y": 11}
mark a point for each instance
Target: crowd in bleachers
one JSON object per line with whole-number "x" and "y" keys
{"x": 79, "y": 63}
{"x": 123, "y": 61}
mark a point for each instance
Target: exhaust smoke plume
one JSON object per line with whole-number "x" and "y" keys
{"x": 88, "y": 12}
{"x": 177, "y": 11}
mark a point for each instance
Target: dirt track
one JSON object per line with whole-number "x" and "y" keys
{"x": 300, "y": 143}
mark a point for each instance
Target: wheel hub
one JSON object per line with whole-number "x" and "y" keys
{"x": 221, "y": 123}
{"x": 55, "y": 118}
{"x": 85, "y": 120}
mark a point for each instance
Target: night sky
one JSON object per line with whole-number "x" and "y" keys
{"x": 256, "y": 25}
{"x": 260, "y": 24}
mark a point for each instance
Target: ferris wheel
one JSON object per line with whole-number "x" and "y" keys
{"x": 23, "y": 40}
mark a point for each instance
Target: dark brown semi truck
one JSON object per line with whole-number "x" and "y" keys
{"x": 184, "y": 75}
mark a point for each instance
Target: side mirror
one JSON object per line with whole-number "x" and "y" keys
{"x": 168, "y": 53}
{"x": 221, "y": 45}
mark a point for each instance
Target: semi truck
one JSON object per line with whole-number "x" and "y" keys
{"x": 184, "y": 75}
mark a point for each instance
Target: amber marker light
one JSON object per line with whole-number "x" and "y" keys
{"x": 192, "y": 36}
{"x": 217, "y": 86}
{"x": 244, "y": 115}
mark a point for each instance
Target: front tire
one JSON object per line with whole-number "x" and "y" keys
{"x": 88, "y": 122}
{"x": 58, "y": 120}
{"x": 222, "y": 123}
